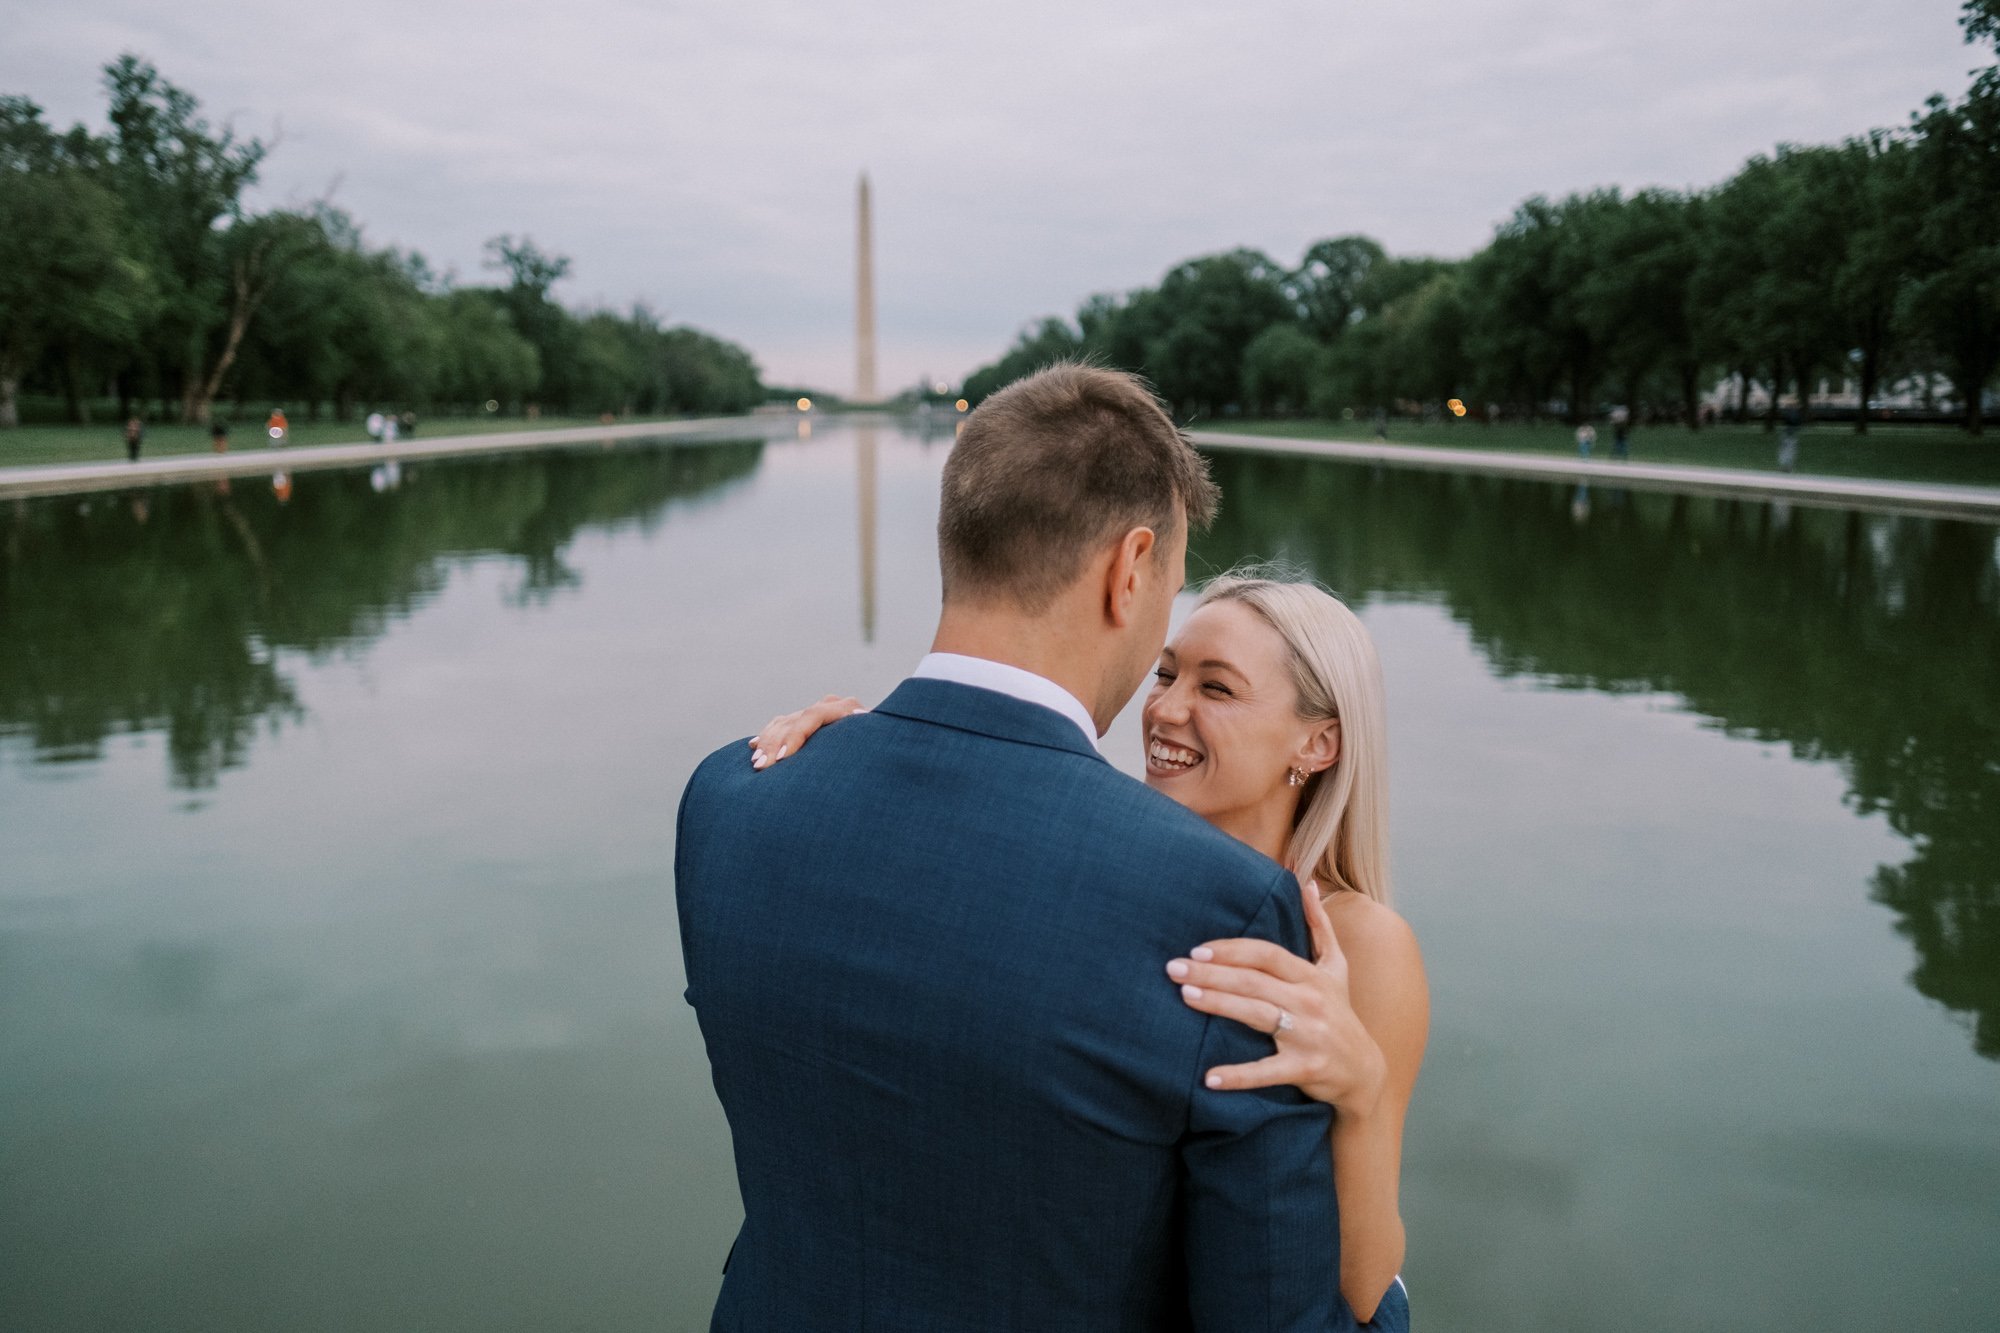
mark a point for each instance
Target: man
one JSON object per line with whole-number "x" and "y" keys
{"x": 925, "y": 952}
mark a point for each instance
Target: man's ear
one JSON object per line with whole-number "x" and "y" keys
{"x": 1131, "y": 562}
{"x": 1322, "y": 749}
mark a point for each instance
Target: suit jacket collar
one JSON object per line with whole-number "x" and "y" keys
{"x": 946, "y": 703}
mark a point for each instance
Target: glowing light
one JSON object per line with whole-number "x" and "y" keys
{"x": 941, "y": 386}
{"x": 805, "y": 404}
{"x": 962, "y": 405}
{"x": 1457, "y": 407}
{"x": 492, "y": 405}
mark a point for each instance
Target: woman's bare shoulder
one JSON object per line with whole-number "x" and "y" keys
{"x": 1385, "y": 974}
{"x": 1370, "y": 929}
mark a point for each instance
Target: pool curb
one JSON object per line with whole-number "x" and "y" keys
{"x": 1976, "y": 503}
{"x": 77, "y": 478}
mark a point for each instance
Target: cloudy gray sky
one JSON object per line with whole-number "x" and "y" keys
{"x": 701, "y": 156}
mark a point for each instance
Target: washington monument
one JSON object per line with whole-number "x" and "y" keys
{"x": 864, "y": 392}
{"x": 864, "y": 298}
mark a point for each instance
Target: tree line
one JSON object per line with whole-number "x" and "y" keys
{"x": 1875, "y": 260}
{"x": 130, "y": 266}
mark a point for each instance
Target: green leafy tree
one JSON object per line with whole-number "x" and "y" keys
{"x": 1953, "y": 306}
{"x": 1635, "y": 287}
{"x": 1280, "y": 367}
{"x": 1329, "y": 285}
{"x": 546, "y": 325}
{"x": 66, "y": 280}
{"x": 1423, "y": 355}
{"x": 1207, "y": 312}
{"x": 1872, "y": 174}
{"x": 481, "y": 355}
{"x": 1517, "y": 330}
{"x": 181, "y": 183}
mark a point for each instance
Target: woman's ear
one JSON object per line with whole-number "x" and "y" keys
{"x": 1322, "y": 748}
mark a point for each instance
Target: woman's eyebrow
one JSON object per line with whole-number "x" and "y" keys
{"x": 1218, "y": 664}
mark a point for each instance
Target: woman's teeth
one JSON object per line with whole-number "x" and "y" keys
{"x": 1171, "y": 756}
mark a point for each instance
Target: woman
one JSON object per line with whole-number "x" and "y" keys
{"x": 1266, "y": 718}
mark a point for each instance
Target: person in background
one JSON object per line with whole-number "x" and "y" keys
{"x": 1788, "y": 441}
{"x": 1586, "y": 439}
{"x": 135, "y": 436}
{"x": 218, "y": 437}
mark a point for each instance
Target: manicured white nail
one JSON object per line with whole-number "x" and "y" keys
{"x": 1201, "y": 955}
{"x": 1214, "y": 1080}
{"x": 1191, "y": 992}
{"x": 1177, "y": 969}
{"x": 759, "y": 759}
{"x": 784, "y": 749}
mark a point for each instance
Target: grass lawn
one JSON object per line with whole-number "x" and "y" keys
{"x": 28, "y": 446}
{"x": 1893, "y": 453}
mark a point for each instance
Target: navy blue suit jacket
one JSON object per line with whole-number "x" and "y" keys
{"x": 927, "y": 955}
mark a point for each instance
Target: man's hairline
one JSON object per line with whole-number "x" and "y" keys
{"x": 1000, "y": 595}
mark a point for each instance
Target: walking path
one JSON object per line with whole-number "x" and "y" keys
{"x": 64, "y": 478}
{"x": 1978, "y": 503}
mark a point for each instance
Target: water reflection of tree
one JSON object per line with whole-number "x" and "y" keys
{"x": 1869, "y": 642}
{"x": 164, "y": 609}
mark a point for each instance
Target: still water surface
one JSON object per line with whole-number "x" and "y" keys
{"x": 338, "y": 979}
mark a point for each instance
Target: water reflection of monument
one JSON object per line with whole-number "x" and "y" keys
{"x": 864, "y": 393}
{"x": 864, "y": 474}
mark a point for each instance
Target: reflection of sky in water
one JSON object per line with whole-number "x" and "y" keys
{"x": 383, "y": 1028}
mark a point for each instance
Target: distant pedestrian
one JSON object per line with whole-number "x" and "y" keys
{"x": 135, "y": 436}
{"x": 375, "y": 426}
{"x": 218, "y": 437}
{"x": 389, "y": 425}
{"x": 1621, "y": 432}
{"x": 279, "y": 429}
{"x": 408, "y": 424}
{"x": 1586, "y": 439}
{"x": 1788, "y": 441}
{"x": 1381, "y": 424}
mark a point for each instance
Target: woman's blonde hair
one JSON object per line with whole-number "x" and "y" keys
{"x": 1341, "y": 833}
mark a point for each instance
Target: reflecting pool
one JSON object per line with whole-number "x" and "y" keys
{"x": 338, "y": 979}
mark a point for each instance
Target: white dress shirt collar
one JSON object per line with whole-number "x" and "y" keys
{"x": 985, "y": 674}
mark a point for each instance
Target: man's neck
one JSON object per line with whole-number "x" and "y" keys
{"x": 1029, "y": 643}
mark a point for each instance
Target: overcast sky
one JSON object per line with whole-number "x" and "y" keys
{"x": 702, "y": 156}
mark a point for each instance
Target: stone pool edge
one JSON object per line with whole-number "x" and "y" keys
{"x": 172, "y": 469}
{"x": 1975, "y": 503}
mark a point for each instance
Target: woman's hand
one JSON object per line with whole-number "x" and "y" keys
{"x": 787, "y": 732}
{"x": 1322, "y": 1047}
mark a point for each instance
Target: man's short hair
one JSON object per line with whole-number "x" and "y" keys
{"x": 1051, "y": 469}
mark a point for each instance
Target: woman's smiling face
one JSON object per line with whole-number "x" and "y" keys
{"x": 1222, "y": 723}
